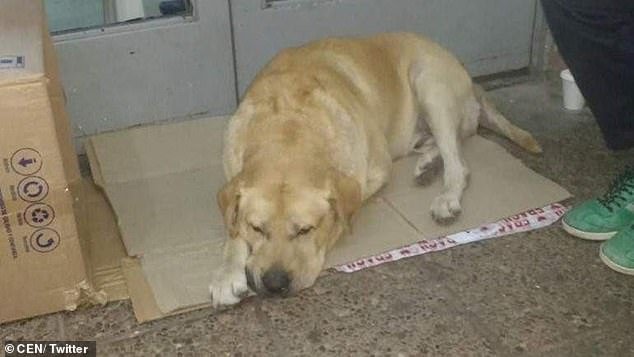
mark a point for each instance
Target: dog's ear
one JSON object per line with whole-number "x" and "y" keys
{"x": 229, "y": 202}
{"x": 345, "y": 196}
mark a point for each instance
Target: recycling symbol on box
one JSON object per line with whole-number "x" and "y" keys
{"x": 32, "y": 189}
{"x": 39, "y": 215}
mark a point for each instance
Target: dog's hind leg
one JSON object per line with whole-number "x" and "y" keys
{"x": 446, "y": 206}
{"x": 443, "y": 116}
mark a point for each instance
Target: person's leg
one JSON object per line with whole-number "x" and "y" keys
{"x": 596, "y": 40}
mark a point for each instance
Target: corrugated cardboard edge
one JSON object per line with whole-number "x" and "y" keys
{"x": 114, "y": 291}
{"x": 143, "y": 301}
{"x": 84, "y": 291}
{"x": 95, "y": 166}
{"x": 105, "y": 248}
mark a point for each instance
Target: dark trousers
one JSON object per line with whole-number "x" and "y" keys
{"x": 596, "y": 40}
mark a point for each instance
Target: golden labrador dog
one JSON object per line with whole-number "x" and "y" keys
{"x": 316, "y": 134}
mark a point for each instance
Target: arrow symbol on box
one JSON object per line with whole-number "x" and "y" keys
{"x": 26, "y": 162}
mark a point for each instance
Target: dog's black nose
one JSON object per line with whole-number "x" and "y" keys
{"x": 276, "y": 281}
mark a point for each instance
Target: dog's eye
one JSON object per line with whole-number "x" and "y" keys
{"x": 257, "y": 229}
{"x": 305, "y": 230}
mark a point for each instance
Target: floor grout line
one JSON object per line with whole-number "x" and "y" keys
{"x": 402, "y": 215}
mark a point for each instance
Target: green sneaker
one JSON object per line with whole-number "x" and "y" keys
{"x": 618, "y": 252}
{"x": 602, "y": 218}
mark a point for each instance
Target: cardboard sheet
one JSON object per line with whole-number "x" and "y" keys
{"x": 162, "y": 181}
{"x": 103, "y": 249}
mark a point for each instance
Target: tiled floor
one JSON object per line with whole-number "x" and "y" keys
{"x": 534, "y": 294}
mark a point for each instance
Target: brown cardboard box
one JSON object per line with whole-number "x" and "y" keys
{"x": 42, "y": 261}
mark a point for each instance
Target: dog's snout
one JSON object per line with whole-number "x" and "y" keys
{"x": 276, "y": 281}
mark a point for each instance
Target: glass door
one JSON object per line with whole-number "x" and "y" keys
{"x": 129, "y": 62}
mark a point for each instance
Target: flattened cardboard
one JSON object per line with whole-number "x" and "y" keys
{"x": 499, "y": 186}
{"x": 145, "y": 208}
{"x": 162, "y": 180}
{"x": 141, "y": 295}
{"x": 104, "y": 249}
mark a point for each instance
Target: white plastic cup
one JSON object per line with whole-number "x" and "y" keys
{"x": 129, "y": 10}
{"x": 573, "y": 99}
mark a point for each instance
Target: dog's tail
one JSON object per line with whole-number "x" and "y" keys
{"x": 494, "y": 120}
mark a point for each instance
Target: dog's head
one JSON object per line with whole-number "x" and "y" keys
{"x": 288, "y": 223}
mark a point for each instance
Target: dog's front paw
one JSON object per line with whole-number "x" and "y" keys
{"x": 445, "y": 208}
{"x": 228, "y": 287}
